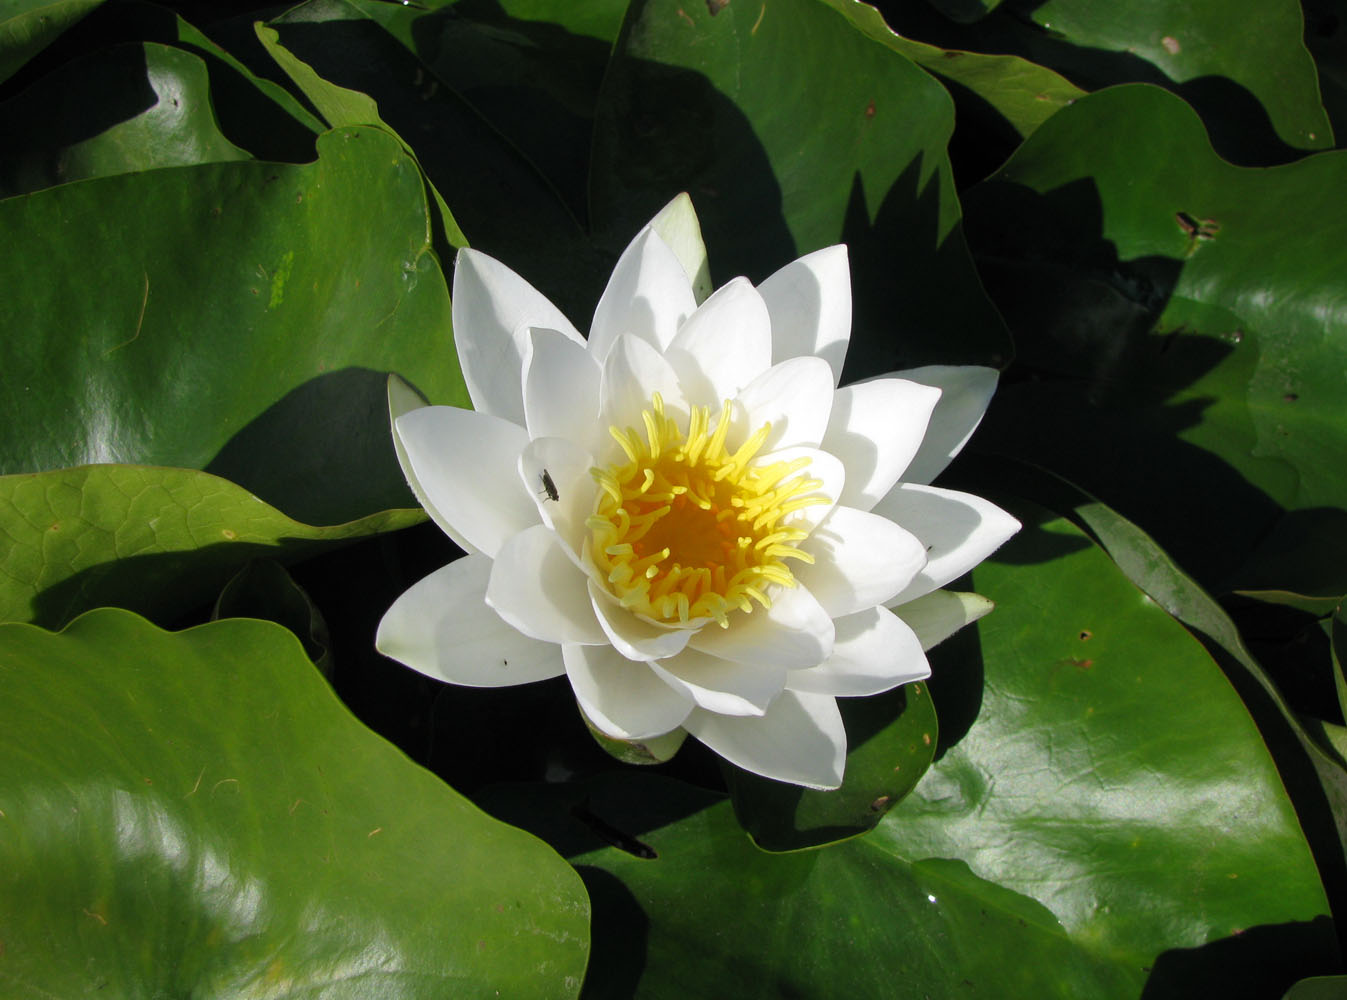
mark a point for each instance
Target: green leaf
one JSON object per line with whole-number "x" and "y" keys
{"x": 792, "y": 130}
{"x": 1103, "y": 821}
{"x": 242, "y": 320}
{"x": 264, "y": 590}
{"x": 195, "y": 813}
{"x": 1241, "y": 63}
{"x": 120, "y": 110}
{"x": 1318, "y": 988}
{"x": 502, "y": 202}
{"x": 29, "y": 26}
{"x": 1312, "y": 771}
{"x": 1186, "y": 312}
{"x": 530, "y": 67}
{"x": 891, "y": 739}
{"x": 1024, "y": 93}
{"x": 158, "y": 541}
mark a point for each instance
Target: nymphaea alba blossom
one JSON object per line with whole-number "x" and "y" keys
{"x": 683, "y": 513}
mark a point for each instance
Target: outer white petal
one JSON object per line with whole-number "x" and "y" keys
{"x": 801, "y": 739}
{"x": 876, "y": 429}
{"x": 561, "y": 390}
{"x": 724, "y": 345}
{"x": 466, "y": 464}
{"x": 649, "y": 296}
{"x": 959, "y": 530}
{"x": 402, "y": 398}
{"x": 443, "y": 628}
{"x": 860, "y": 560}
{"x": 810, "y": 304}
{"x": 493, "y": 309}
{"x": 965, "y": 392}
{"x": 875, "y": 651}
{"x": 723, "y": 686}
{"x": 633, "y": 372}
{"x": 538, "y": 590}
{"x": 566, "y": 466}
{"x": 823, "y": 467}
{"x": 939, "y": 614}
{"x": 633, "y": 638}
{"x": 624, "y": 699}
{"x": 677, "y": 226}
{"x": 795, "y": 397}
{"x": 794, "y": 632}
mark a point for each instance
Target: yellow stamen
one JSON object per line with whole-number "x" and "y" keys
{"x": 685, "y": 530}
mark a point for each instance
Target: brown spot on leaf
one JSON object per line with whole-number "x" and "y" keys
{"x": 714, "y": 7}
{"x": 1170, "y": 44}
{"x": 880, "y": 803}
{"x": 870, "y": 110}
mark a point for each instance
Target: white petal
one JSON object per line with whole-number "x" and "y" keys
{"x": 561, "y": 390}
{"x": 492, "y": 310}
{"x": 810, "y": 303}
{"x": 538, "y": 590}
{"x": 875, "y": 651}
{"x": 938, "y": 615}
{"x": 795, "y": 397}
{"x": 965, "y": 392}
{"x": 624, "y": 699}
{"x": 677, "y": 226}
{"x": 876, "y": 429}
{"x": 860, "y": 560}
{"x": 958, "y": 529}
{"x": 648, "y": 296}
{"x": 555, "y": 465}
{"x": 443, "y": 628}
{"x": 794, "y": 632}
{"x": 724, "y": 345}
{"x": 631, "y": 636}
{"x": 466, "y": 464}
{"x": 723, "y": 686}
{"x": 633, "y": 373}
{"x": 402, "y": 398}
{"x": 801, "y": 739}
{"x": 822, "y": 467}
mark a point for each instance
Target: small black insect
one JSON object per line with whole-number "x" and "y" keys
{"x": 549, "y": 487}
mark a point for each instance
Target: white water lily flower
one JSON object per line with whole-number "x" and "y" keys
{"x": 683, "y": 513}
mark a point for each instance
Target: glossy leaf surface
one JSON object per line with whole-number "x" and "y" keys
{"x": 1188, "y": 313}
{"x": 1103, "y": 820}
{"x": 158, "y": 541}
{"x": 236, "y": 317}
{"x": 64, "y": 129}
{"x": 713, "y": 99}
{"x": 1241, "y": 63}
{"x": 195, "y": 813}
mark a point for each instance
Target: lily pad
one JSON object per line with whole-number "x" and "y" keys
{"x": 1102, "y": 820}
{"x": 195, "y": 813}
{"x": 29, "y": 26}
{"x": 503, "y": 203}
{"x": 236, "y": 317}
{"x": 158, "y": 541}
{"x": 715, "y": 98}
{"x": 65, "y": 127}
{"x": 1181, "y": 333}
{"x": 1241, "y": 63}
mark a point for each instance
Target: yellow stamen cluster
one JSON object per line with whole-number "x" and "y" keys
{"x": 684, "y": 530}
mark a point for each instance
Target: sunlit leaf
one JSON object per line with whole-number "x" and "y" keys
{"x": 195, "y": 813}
